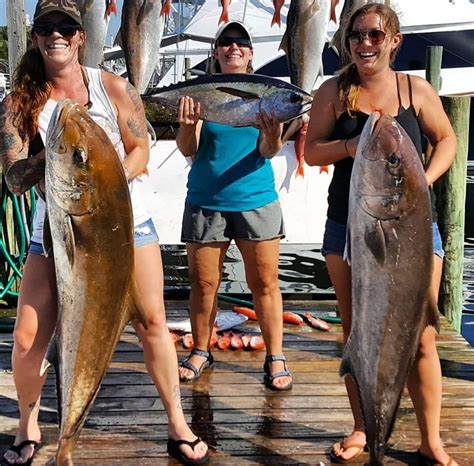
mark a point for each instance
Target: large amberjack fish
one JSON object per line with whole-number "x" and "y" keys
{"x": 141, "y": 33}
{"x": 303, "y": 42}
{"x": 89, "y": 225}
{"x": 95, "y": 16}
{"x": 236, "y": 98}
{"x": 390, "y": 245}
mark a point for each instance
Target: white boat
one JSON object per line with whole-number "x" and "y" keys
{"x": 303, "y": 199}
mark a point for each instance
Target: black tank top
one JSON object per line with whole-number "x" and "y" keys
{"x": 347, "y": 127}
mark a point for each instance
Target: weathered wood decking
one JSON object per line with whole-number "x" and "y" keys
{"x": 233, "y": 411}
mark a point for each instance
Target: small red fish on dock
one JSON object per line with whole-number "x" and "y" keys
{"x": 317, "y": 323}
{"x": 292, "y": 318}
{"x": 250, "y": 313}
{"x": 188, "y": 341}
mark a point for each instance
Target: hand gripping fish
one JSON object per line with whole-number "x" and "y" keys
{"x": 392, "y": 299}
{"x": 89, "y": 226}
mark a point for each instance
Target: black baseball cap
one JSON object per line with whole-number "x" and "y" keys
{"x": 68, "y": 7}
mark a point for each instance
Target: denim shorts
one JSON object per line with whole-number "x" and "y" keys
{"x": 144, "y": 234}
{"x": 334, "y": 240}
{"x": 202, "y": 225}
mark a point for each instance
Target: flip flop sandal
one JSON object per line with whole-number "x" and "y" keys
{"x": 424, "y": 460}
{"x": 197, "y": 372}
{"x": 17, "y": 449}
{"x": 338, "y": 459}
{"x": 174, "y": 451}
{"x": 269, "y": 377}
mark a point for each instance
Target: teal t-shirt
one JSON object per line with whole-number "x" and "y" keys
{"x": 228, "y": 172}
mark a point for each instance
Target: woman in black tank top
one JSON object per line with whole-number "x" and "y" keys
{"x": 340, "y": 109}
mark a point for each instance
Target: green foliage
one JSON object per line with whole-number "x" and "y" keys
{"x": 3, "y": 43}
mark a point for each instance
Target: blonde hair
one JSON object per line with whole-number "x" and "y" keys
{"x": 349, "y": 80}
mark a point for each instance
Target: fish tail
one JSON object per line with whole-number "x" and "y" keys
{"x": 324, "y": 169}
{"x": 166, "y": 9}
{"x": 300, "y": 170}
{"x": 224, "y": 17}
{"x": 112, "y": 8}
{"x": 333, "y": 10}
{"x": 276, "y": 19}
{"x": 64, "y": 453}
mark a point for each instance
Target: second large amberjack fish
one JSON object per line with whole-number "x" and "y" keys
{"x": 89, "y": 226}
{"x": 390, "y": 245}
{"x": 236, "y": 99}
{"x": 141, "y": 33}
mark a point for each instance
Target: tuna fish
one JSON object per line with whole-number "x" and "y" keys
{"x": 390, "y": 245}
{"x": 89, "y": 225}
{"x": 95, "y": 20}
{"x": 142, "y": 30}
{"x": 236, "y": 99}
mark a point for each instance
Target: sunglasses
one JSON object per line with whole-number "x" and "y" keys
{"x": 64, "y": 28}
{"x": 228, "y": 41}
{"x": 375, "y": 36}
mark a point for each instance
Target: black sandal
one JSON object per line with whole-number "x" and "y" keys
{"x": 269, "y": 377}
{"x": 174, "y": 451}
{"x": 197, "y": 372}
{"x": 17, "y": 449}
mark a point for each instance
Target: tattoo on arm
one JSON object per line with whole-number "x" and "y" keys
{"x": 138, "y": 129}
{"x": 137, "y": 121}
{"x": 21, "y": 172}
{"x": 135, "y": 98}
{"x": 177, "y": 396}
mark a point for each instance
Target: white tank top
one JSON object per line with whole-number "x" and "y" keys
{"x": 102, "y": 112}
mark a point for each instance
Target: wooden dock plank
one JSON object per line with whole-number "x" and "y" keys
{"x": 231, "y": 409}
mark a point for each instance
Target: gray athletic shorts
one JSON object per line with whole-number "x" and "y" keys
{"x": 213, "y": 226}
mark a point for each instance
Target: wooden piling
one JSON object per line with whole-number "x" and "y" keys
{"x": 451, "y": 197}
{"x": 434, "y": 56}
{"x": 16, "y": 21}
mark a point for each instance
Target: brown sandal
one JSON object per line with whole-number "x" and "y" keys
{"x": 345, "y": 446}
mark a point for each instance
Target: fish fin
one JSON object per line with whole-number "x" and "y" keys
{"x": 333, "y": 10}
{"x": 51, "y": 359}
{"x": 47, "y": 238}
{"x": 432, "y": 317}
{"x": 145, "y": 10}
{"x": 118, "y": 38}
{"x": 284, "y": 43}
{"x": 346, "y": 365}
{"x": 70, "y": 241}
{"x": 376, "y": 242}
{"x": 347, "y": 247}
{"x": 293, "y": 127}
{"x": 239, "y": 93}
{"x": 111, "y": 7}
{"x": 136, "y": 311}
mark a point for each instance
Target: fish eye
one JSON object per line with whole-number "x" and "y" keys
{"x": 294, "y": 98}
{"x": 79, "y": 156}
{"x": 394, "y": 160}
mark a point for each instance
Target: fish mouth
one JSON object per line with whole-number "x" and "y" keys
{"x": 59, "y": 116}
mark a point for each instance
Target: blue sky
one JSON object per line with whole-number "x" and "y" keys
{"x": 30, "y": 8}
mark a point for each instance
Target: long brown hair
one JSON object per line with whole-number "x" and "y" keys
{"x": 30, "y": 92}
{"x": 349, "y": 80}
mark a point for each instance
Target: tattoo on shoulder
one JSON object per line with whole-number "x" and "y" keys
{"x": 134, "y": 97}
{"x": 138, "y": 128}
{"x": 7, "y": 141}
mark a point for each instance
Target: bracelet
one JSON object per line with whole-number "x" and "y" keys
{"x": 345, "y": 146}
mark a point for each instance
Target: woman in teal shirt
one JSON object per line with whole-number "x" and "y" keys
{"x": 231, "y": 196}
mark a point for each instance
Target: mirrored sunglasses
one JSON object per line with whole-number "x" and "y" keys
{"x": 375, "y": 36}
{"x": 64, "y": 28}
{"x": 228, "y": 41}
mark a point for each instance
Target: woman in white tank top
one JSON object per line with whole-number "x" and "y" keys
{"x": 48, "y": 73}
